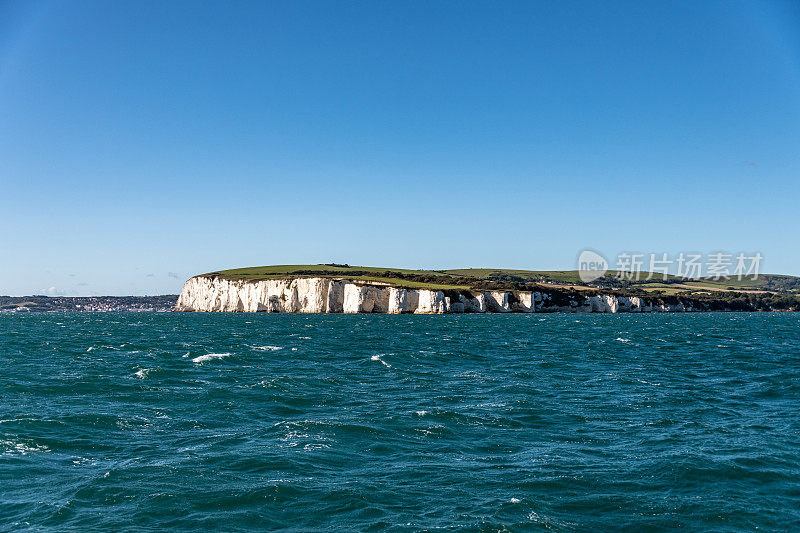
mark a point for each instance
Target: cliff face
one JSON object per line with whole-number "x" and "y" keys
{"x": 324, "y": 295}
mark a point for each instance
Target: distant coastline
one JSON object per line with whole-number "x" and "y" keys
{"x": 89, "y": 304}
{"x": 337, "y": 288}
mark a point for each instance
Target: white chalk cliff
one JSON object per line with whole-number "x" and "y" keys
{"x": 324, "y": 295}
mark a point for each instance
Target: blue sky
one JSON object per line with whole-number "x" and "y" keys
{"x": 144, "y": 142}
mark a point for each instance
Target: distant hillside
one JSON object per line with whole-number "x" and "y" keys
{"x": 88, "y": 303}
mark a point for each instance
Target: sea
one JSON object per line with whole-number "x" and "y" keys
{"x": 242, "y": 422}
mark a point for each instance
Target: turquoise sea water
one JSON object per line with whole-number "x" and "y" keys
{"x": 374, "y": 422}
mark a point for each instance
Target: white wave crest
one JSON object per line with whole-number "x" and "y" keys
{"x": 8, "y": 447}
{"x": 209, "y": 357}
{"x": 378, "y": 358}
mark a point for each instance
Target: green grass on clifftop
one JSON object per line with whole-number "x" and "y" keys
{"x": 464, "y": 278}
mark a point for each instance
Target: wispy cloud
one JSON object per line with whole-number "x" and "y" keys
{"x": 52, "y": 291}
{"x": 150, "y": 276}
{"x": 173, "y": 275}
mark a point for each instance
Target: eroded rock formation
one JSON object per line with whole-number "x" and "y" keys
{"x": 324, "y": 295}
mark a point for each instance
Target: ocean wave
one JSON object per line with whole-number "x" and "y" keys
{"x": 508, "y": 423}
{"x": 267, "y": 348}
{"x": 378, "y": 358}
{"x": 10, "y": 447}
{"x": 210, "y": 356}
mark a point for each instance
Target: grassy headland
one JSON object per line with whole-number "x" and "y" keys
{"x": 512, "y": 279}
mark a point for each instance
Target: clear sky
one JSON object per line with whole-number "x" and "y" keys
{"x": 144, "y": 142}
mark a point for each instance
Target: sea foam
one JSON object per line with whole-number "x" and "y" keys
{"x": 209, "y": 357}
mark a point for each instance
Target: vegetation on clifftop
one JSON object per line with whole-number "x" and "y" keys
{"x": 767, "y": 292}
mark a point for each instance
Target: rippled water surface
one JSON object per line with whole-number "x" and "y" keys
{"x": 236, "y": 421}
